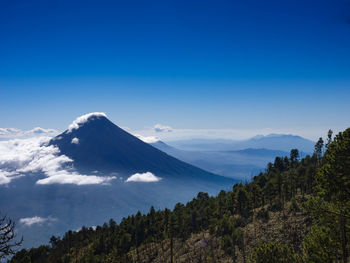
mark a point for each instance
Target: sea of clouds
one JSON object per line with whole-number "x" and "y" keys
{"x": 19, "y": 157}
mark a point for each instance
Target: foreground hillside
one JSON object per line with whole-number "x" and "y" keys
{"x": 297, "y": 211}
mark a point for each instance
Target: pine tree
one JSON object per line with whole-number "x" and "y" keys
{"x": 331, "y": 206}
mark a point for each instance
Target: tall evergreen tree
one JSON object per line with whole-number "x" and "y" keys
{"x": 331, "y": 206}
{"x": 319, "y": 148}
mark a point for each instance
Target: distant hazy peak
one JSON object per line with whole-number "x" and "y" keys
{"x": 274, "y": 135}
{"x": 85, "y": 118}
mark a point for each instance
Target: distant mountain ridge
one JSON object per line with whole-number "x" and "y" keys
{"x": 238, "y": 164}
{"x": 281, "y": 142}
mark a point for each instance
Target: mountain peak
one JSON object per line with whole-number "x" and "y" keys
{"x": 94, "y": 143}
{"x": 274, "y": 135}
{"x": 78, "y": 122}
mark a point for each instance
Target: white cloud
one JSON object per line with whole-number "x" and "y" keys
{"x": 36, "y": 220}
{"x": 38, "y": 130}
{"x": 80, "y": 228}
{"x": 147, "y": 139}
{"x": 4, "y": 179}
{"x": 21, "y": 156}
{"x": 57, "y": 138}
{"x": 9, "y": 131}
{"x": 64, "y": 177}
{"x": 83, "y": 119}
{"x": 147, "y": 177}
{"x": 12, "y": 133}
{"x": 162, "y": 128}
{"x": 75, "y": 140}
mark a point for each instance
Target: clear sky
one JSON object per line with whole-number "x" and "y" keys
{"x": 276, "y": 66}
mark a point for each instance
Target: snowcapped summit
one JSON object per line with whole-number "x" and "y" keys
{"x": 85, "y": 118}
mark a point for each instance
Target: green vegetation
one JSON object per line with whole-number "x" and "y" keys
{"x": 296, "y": 211}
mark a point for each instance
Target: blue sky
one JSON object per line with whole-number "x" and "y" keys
{"x": 248, "y": 66}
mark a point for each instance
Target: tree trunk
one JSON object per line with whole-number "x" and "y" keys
{"x": 171, "y": 249}
{"x": 243, "y": 248}
{"x": 137, "y": 254}
{"x": 342, "y": 223}
{"x": 233, "y": 253}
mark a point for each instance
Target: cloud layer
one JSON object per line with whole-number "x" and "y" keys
{"x": 147, "y": 139}
{"x": 22, "y": 156}
{"x": 147, "y": 177}
{"x": 162, "y": 128}
{"x": 12, "y": 133}
{"x": 9, "y": 131}
{"x": 83, "y": 119}
{"x": 38, "y": 130}
{"x": 36, "y": 220}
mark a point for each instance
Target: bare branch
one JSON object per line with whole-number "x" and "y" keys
{"x": 8, "y": 241}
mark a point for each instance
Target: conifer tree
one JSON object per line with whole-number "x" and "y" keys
{"x": 331, "y": 206}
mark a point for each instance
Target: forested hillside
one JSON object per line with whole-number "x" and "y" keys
{"x": 298, "y": 210}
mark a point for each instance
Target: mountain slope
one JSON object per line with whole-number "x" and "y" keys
{"x": 100, "y": 145}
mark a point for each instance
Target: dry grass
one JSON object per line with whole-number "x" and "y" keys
{"x": 287, "y": 226}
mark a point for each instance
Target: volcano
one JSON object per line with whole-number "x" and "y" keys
{"x": 94, "y": 143}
